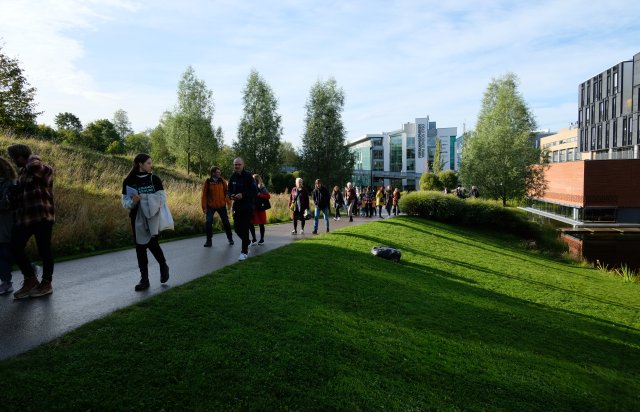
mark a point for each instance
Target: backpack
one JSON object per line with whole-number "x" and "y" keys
{"x": 387, "y": 252}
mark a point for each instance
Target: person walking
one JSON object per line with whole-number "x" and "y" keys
{"x": 7, "y": 188}
{"x": 259, "y": 216}
{"x": 389, "y": 200}
{"x": 474, "y": 193}
{"x": 35, "y": 216}
{"x": 396, "y": 199}
{"x": 144, "y": 195}
{"x": 321, "y": 200}
{"x": 380, "y": 201}
{"x": 242, "y": 190}
{"x": 338, "y": 201}
{"x": 215, "y": 199}
{"x": 351, "y": 199}
{"x": 298, "y": 203}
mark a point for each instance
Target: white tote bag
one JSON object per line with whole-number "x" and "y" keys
{"x": 166, "y": 220}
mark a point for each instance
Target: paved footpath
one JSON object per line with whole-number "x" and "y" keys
{"x": 91, "y": 288}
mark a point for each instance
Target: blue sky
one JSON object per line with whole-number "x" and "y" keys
{"x": 395, "y": 60}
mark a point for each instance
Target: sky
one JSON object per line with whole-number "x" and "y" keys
{"x": 395, "y": 60}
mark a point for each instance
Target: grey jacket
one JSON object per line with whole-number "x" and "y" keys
{"x": 148, "y": 218}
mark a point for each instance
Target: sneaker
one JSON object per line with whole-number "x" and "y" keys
{"x": 338, "y": 218}
{"x": 207, "y": 243}
{"x": 254, "y": 242}
{"x": 335, "y": 218}
{"x": 142, "y": 285}
{"x": 302, "y": 232}
{"x": 243, "y": 256}
{"x": 231, "y": 242}
{"x": 164, "y": 273}
{"x": 315, "y": 232}
{"x": 27, "y": 285}
{"x": 44, "y": 288}
{"x": 261, "y": 242}
{"x": 6, "y": 287}
{"x": 294, "y": 232}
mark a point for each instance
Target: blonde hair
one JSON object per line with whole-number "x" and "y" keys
{"x": 258, "y": 180}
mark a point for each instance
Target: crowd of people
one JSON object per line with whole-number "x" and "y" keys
{"x": 27, "y": 210}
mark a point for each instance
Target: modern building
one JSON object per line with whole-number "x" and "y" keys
{"x": 398, "y": 158}
{"x": 609, "y": 113}
{"x": 561, "y": 146}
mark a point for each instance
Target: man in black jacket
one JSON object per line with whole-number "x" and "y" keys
{"x": 321, "y": 198}
{"x": 242, "y": 190}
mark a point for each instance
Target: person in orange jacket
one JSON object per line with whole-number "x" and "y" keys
{"x": 215, "y": 199}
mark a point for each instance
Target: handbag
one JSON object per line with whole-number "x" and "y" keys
{"x": 166, "y": 220}
{"x": 263, "y": 204}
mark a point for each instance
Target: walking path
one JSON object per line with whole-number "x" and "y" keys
{"x": 90, "y": 288}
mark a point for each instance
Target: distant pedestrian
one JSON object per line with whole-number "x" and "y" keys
{"x": 35, "y": 217}
{"x": 242, "y": 190}
{"x": 460, "y": 192}
{"x": 215, "y": 199}
{"x": 388, "y": 200}
{"x": 338, "y": 201}
{"x": 299, "y": 204}
{"x": 259, "y": 216}
{"x": 144, "y": 194}
{"x": 7, "y": 189}
{"x": 380, "y": 201}
{"x": 396, "y": 199}
{"x": 321, "y": 200}
{"x": 474, "y": 193}
{"x": 351, "y": 199}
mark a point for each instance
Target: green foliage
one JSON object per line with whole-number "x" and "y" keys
{"x": 448, "y": 179}
{"x": 189, "y": 128}
{"x": 282, "y": 182}
{"x": 324, "y": 153}
{"x": 438, "y": 163}
{"x": 288, "y": 155}
{"x": 260, "y": 128}
{"x": 17, "y": 105}
{"x": 48, "y": 133}
{"x": 101, "y": 135}
{"x": 497, "y": 157}
{"x": 137, "y": 143}
{"x": 224, "y": 159}
{"x": 122, "y": 124}
{"x": 158, "y": 140}
{"x": 477, "y": 213}
{"x": 430, "y": 181}
{"x": 68, "y": 121}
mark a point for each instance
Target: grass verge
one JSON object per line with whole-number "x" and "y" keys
{"x": 467, "y": 320}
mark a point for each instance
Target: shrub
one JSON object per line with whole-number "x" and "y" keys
{"x": 430, "y": 181}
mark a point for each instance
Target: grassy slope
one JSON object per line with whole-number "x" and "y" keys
{"x": 466, "y": 321}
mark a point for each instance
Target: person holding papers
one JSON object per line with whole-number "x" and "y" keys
{"x": 144, "y": 195}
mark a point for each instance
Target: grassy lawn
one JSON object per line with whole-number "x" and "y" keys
{"x": 467, "y": 321}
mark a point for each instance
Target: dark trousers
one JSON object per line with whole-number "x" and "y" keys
{"x": 297, "y": 215}
{"x": 141, "y": 252}
{"x": 5, "y": 262}
{"x": 42, "y": 233}
{"x": 338, "y": 207}
{"x": 241, "y": 223}
{"x": 224, "y": 218}
{"x": 252, "y": 229}
{"x": 380, "y": 211}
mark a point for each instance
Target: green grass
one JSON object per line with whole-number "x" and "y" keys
{"x": 466, "y": 321}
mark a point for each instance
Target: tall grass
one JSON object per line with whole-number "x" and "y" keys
{"x": 87, "y": 187}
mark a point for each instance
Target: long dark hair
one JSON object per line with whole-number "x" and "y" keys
{"x": 137, "y": 161}
{"x": 6, "y": 169}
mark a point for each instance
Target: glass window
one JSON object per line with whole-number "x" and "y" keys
{"x": 613, "y": 107}
{"x": 615, "y": 80}
{"x": 600, "y": 110}
{"x": 588, "y": 92}
{"x": 411, "y": 165}
{"x": 561, "y": 157}
{"x": 624, "y": 131}
{"x": 395, "y": 145}
{"x": 607, "y": 126}
{"x": 555, "y": 156}
{"x": 599, "y": 136}
{"x": 570, "y": 155}
{"x": 615, "y": 133}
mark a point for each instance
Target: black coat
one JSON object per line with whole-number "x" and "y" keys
{"x": 321, "y": 197}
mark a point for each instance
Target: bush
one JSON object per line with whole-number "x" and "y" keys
{"x": 477, "y": 213}
{"x": 448, "y": 179}
{"x": 430, "y": 181}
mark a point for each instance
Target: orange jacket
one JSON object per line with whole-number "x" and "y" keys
{"x": 214, "y": 194}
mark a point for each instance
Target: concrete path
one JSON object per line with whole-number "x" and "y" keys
{"x": 91, "y": 288}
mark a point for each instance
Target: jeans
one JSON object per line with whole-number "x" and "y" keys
{"x": 224, "y": 218}
{"x": 316, "y": 217}
{"x": 42, "y": 233}
{"x": 241, "y": 223}
{"x": 5, "y": 262}
{"x": 141, "y": 252}
{"x": 338, "y": 207}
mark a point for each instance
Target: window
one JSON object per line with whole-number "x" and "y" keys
{"x": 561, "y": 157}
{"x": 555, "y": 156}
{"x": 606, "y": 134}
{"x": 593, "y": 137}
{"x": 600, "y": 110}
{"x": 395, "y": 146}
{"x": 606, "y": 110}
{"x": 593, "y": 114}
{"x": 586, "y": 116}
{"x": 599, "y": 136}
{"x": 615, "y": 133}
{"x": 615, "y": 80}
{"x": 588, "y": 92}
{"x": 579, "y": 118}
{"x": 608, "y": 82}
{"x": 624, "y": 131}
{"x": 582, "y": 95}
{"x": 570, "y": 155}
{"x": 613, "y": 107}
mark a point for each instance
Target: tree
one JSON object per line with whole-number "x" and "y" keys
{"x": 324, "y": 153}
{"x": 158, "y": 141}
{"x": 137, "y": 143}
{"x": 430, "y": 181}
{"x": 190, "y": 130}
{"x": 68, "y": 121}
{"x": 122, "y": 124}
{"x": 101, "y": 135}
{"x": 224, "y": 160}
{"x": 438, "y": 163}
{"x": 448, "y": 179}
{"x": 46, "y": 132}
{"x": 17, "y": 106}
{"x": 497, "y": 157}
{"x": 260, "y": 128}
{"x": 288, "y": 155}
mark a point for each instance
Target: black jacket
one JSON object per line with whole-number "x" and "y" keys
{"x": 243, "y": 183}
{"x": 321, "y": 197}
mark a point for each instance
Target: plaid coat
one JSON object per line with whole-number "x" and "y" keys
{"x": 36, "y": 187}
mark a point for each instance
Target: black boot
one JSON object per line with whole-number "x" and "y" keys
{"x": 164, "y": 273}
{"x": 144, "y": 282}
{"x": 208, "y": 243}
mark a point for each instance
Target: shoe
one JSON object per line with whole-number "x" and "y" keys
{"x": 29, "y": 283}
{"x": 254, "y": 243}
{"x": 315, "y": 232}
{"x": 302, "y": 232}
{"x": 261, "y": 242}
{"x": 335, "y": 218}
{"x": 327, "y": 230}
{"x": 231, "y": 242}
{"x": 338, "y": 218}
{"x": 142, "y": 285}
{"x": 6, "y": 287}
{"x": 351, "y": 219}
{"x": 44, "y": 288}
{"x": 207, "y": 243}
{"x": 164, "y": 273}
{"x": 243, "y": 256}
{"x": 294, "y": 232}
